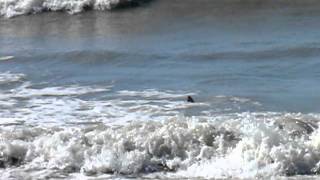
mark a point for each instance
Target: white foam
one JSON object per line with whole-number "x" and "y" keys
{"x": 63, "y": 105}
{"x": 11, "y": 8}
{"x": 25, "y": 91}
{"x": 265, "y": 150}
{"x": 9, "y": 77}
{"x": 247, "y": 146}
{"x": 152, "y": 93}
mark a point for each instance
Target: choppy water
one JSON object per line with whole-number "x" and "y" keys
{"x": 102, "y": 94}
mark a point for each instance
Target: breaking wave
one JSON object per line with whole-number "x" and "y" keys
{"x": 11, "y": 8}
{"x": 245, "y": 145}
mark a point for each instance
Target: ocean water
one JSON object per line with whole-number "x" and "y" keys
{"x": 97, "y": 89}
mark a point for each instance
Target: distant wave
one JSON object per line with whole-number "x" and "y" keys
{"x": 306, "y": 50}
{"x": 11, "y": 8}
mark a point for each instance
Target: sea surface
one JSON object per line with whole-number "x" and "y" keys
{"x": 97, "y": 89}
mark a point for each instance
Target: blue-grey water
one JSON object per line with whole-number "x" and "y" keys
{"x": 243, "y": 62}
{"x": 265, "y": 52}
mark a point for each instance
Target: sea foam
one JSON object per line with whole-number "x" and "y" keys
{"x": 245, "y": 146}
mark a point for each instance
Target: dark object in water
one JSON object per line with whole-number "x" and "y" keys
{"x": 128, "y": 3}
{"x": 190, "y": 99}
